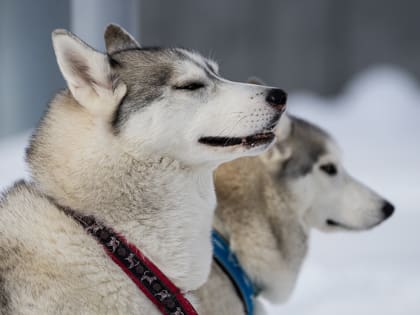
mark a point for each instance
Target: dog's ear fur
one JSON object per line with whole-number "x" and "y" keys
{"x": 88, "y": 73}
{"x": 117, "y": 38}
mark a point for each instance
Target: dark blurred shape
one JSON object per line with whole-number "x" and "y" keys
{"x": 388, "y": 209}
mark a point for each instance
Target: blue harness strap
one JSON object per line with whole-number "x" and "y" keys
{"x": 229, "y": 262}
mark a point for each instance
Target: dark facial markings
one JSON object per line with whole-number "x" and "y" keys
{"x": 207, "y": 67}
{"x": 145, "y": 73}
{"x": 307, "y": 143}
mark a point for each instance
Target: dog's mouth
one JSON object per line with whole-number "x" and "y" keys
{"x": 261, "y": 138}
{"x": 338, "y": 225}
{"x": 343, "y": 226}
{"x": 258, "y": 139}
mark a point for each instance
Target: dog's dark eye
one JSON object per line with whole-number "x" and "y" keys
{"x": 192, "y": 86}
{"x": 329, "y": 168}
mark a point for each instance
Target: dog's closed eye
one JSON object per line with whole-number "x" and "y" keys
{"x": 190, "y": 86}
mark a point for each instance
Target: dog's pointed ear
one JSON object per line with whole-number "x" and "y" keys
{"x": 284, "y": 127}
{"x": 281, "y": 151}
{"x": 255, "y": 80}
{"x": 88, "y": 73}
{"x": 117, "y": 38}
{"x": 276, "y": 157}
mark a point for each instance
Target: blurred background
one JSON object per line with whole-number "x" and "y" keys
{"x": 350, "y": 66}
{"x": 297, "y": 45}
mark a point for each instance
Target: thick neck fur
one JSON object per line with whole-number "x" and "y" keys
{"x": 264, "y": 229}
{"x": 161, "y": 206}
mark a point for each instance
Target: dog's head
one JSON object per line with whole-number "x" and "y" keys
{"x": 306, "y": 161}
{"x": 170, "y": 102}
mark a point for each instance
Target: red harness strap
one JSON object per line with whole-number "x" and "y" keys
{"x": 147, "y": 277}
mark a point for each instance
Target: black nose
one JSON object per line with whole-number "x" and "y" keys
{"x": 277, "y": 98}
{"x": 387, "y": 209}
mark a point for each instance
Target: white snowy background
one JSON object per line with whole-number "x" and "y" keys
{"x": 376, "y": 120}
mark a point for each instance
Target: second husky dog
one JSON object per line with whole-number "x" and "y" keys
{"x": 132, "y": 143}
{"x": 268, "y": 204}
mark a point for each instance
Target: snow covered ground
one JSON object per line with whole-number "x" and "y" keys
{"x": 377, "y": 123}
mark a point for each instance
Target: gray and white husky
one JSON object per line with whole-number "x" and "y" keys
{"x": 268, "y": 204}
{"x": 133, "y": 141}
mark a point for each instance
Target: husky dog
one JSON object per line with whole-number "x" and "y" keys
{"x": 268, "y": 204}
{"x": 133, "y": 142}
